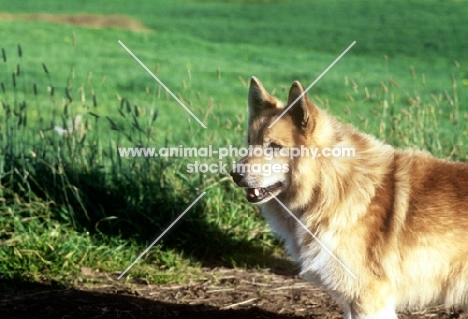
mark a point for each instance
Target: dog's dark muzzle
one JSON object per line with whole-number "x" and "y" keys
{"x": 237, "y": 177}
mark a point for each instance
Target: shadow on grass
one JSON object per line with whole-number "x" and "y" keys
{"x": 141, "y": 205}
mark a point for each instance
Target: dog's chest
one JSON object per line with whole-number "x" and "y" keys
{"x": 300, "y": 244}
{"x": 285, "y": 227}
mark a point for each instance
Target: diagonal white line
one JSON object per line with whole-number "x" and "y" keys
{"x": 315, "y": 237}
{"x": 313, "y": 83}
{"x": 160, "y": 236}
{"x": 162, "y": 84}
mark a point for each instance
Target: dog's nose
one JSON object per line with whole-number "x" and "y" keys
{"x": 236, "y": 177}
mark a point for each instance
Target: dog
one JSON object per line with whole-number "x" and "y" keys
{"x": 381, "y": 230}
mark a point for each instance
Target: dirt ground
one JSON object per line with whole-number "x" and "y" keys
{"x": 85, "y": 20}
{"x": 224, "y": 293}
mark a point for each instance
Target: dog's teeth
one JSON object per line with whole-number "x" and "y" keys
{"x": 256, "y": 192}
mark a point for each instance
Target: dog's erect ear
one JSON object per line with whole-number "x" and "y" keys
{"x": 303, "y": 110}
{"x": 260, "y": 99}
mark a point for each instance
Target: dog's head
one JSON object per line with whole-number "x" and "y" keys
{"x": 270, "y": 167}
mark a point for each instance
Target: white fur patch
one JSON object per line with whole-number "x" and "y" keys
{"x": 386, "y": 313}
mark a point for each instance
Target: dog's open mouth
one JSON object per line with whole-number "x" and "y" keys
{"x": 259, "y": 194}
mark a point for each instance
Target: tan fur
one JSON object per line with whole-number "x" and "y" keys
{"x": 398, "y": 219}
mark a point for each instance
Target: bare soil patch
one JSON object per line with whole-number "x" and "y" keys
{"x": 224, "y": 293}
{"x": 84, "y": 20}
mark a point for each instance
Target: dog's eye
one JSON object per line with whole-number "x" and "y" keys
{"x": 275, "y": 146}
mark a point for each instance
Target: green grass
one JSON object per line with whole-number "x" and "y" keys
{"x": 71, "y": 202}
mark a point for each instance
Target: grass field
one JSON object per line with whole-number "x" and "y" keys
{"x": 72, "y": 202}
